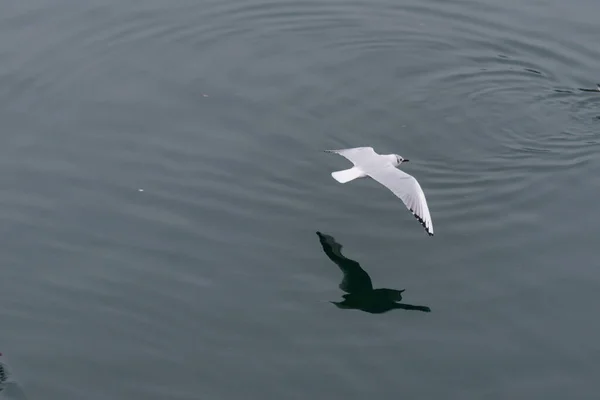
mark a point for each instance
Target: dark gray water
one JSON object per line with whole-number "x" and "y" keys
{"x": 211, "y": 283}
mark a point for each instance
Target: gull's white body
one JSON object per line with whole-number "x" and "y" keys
{"x": 382, "y": 168}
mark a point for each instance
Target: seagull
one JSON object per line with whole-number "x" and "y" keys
{"x": 358, "y": 286}
{"x": 382, "y": 168}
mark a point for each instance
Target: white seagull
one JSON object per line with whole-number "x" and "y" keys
{"x": 382, "y": 168}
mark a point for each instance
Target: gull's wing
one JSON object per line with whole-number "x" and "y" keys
{"x": 355, "y": 278}
{"x": 356, "y": 155}
{"x": 407, "y": 189}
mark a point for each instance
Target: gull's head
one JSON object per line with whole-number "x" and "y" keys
{"x": 399, "y": 159}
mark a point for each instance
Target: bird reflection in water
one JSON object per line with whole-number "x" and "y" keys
{"x": 360, "y": 294}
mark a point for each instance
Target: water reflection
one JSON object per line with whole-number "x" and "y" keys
{"x": 357, "y": 284}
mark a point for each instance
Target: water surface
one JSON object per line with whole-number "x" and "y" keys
{"x": 211, "y": 282}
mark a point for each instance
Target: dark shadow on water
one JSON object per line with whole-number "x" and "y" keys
{"x": 357, "y": 284}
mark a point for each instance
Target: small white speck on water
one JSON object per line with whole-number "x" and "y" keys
{"x": 204, "y": 95}
{"x": 140, "y": 190}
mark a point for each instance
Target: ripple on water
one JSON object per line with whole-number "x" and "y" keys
{"x": 494, "y": 62}
{"x": 485, "y": 78}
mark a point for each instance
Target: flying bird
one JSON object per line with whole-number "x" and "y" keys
{"x": 382, "y": 168}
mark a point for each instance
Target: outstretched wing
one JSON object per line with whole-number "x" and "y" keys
{"x": 355, "y": 278}
{"x": 407, "y": 188}
{"x": 356, "y": 155}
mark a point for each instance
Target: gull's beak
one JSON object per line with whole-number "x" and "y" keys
{"x": 405, "y": 160}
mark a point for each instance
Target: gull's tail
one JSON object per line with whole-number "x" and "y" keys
{"x": 347, "y": 175}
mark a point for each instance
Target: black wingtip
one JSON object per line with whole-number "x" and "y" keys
{"x": 421, "y": 221}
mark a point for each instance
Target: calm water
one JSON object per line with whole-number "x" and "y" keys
{"x": 211, "y": 283}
